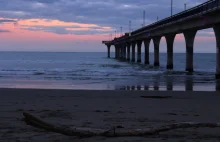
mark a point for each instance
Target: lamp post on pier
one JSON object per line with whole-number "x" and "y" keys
{"x": 171, "y": 7}
{"x": 129, "y": 26}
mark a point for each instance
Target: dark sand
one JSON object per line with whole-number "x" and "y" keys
{"x": 106, "y": 109}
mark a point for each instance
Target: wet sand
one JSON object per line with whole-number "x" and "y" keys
{"x": 107, "y": 109}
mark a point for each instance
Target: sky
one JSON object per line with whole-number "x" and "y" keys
{"x": 81, "y": 25}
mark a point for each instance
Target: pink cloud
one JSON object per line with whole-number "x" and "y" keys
{"x": 18, "y": 33}
{"x": 49, "y": 23}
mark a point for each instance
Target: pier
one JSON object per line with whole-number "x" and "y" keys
{"x": 188, "y": 22}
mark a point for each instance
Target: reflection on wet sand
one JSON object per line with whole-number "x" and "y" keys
{"x": 146, "y": 88}
{"x": 169, "y": 85}
{"x": 217, "y": 85}
{"x": 139, "y": 87}
{"x": 132, "y": 87}
{"x": 189, "y": 84}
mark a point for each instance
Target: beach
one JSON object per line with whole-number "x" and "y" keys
{"x": 107, "y": 109}
{"x": 74, "y": 71}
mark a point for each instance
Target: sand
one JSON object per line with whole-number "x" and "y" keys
{"x": 107, "y": 109}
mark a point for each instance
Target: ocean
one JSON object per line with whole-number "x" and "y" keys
{"x": 94, "y": 71}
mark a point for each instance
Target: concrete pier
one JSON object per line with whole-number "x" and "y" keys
{"x": 202, "y": 16}
{"x": 156, "y": 41}
{"x": 189, "y": 38}
{"x": 217, "y": 35}
{"x": 146, "y": 53}
{"x": 128, "y": 51}
{"x": 170, "y": 40}
{"x": 139, "y": 43}
{"x": 133, "y": 51}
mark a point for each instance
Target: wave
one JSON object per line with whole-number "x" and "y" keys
{"x": 110, "y": 65}
{"x": 198, "y": 73}
{"x": 38, "y": 73}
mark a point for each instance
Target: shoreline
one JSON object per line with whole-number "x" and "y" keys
{"x": 69, "y": 91}
{"x": 62, "y": 85}
{"x": 107, "y": 109}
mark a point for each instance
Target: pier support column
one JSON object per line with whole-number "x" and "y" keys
{"x": 115, "y": 52}
{"x": 217, "y": 36}
{"x": 108, "y": 48}
{"x": 133, "y": 51}
{"x": 139, "y": 43}
{"x": 128, "y": 51}
{"x": 146, "y": 53}
{"x": 121, "y": 52}
{"x": 118, "y": 51}
{"x": 125, "y": 52}
{"x": 189, "y": 37}
{"x": 170, "y": 40}
{"x": 156, "y": 51}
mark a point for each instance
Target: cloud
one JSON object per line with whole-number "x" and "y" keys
{"x": 7, "y": 20}
{"x": 61, "y": 27}
{"x": 4, "y": 31}
{"x": 38, "y": 5}
{"x": 12, "y": 13}
{"x": 71, "y": 16}
{"x": 112, "y": 13}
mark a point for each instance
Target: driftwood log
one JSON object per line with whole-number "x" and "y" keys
{"x": 90, "y": 132}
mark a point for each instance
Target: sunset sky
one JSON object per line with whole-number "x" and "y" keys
{"x": 81, "y": 25}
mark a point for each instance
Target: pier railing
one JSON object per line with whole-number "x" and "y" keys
{"x": 204, "y": 7}
{"x": 200, "y": 9}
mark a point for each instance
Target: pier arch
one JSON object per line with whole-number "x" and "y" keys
{"x": 205, "y": 41}
{"x": 179, "y": 50}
